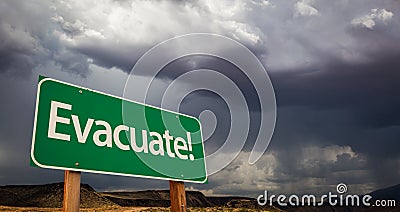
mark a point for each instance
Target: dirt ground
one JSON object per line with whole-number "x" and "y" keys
{"x": 120, "y": 209}
{"x": 117, "y": 209}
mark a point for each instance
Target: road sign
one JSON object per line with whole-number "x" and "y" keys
{"x": 80, "y": 129}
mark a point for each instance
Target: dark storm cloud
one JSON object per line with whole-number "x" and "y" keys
{"x": 198, "y": 101}
{"x": 334, "y": 66}
{"x": 18, "y": 46}
{"x": 343, "y": 104}
{"x": 368, "y": 90}
{"x": 29, "y": 40}
{"x": 17, "y": 109}
{"x": 123, "y": 59}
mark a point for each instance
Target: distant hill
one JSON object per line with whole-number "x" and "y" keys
{"x": 392, "y": 192}
{"x": 155, "y": 198}
{"x": 225, "y": 200}
{"x": 49, "y": 195}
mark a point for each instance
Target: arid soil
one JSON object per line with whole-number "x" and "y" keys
{"x": 127, "y": 209}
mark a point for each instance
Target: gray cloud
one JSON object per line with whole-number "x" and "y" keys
{"x": 20, "y": 49}
{"x": 335, "y": 77}
{"x": 305, "y": 169}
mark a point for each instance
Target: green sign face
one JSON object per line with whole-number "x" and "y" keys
{"x": 84, "y": 130}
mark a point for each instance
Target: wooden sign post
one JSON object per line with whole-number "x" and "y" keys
{"x": 177, "y": 196}
{"x": 56, "y": 101}
{"x": 72, "y": 188}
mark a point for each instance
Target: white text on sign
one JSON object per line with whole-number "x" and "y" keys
{"x": 110, "y": 136}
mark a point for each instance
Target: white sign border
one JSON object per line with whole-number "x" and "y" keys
{"x": 104, "y": 172}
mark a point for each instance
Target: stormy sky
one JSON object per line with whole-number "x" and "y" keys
{"x": 334, "y": 66}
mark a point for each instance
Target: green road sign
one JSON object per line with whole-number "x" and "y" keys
{"x": 80, "y": 129}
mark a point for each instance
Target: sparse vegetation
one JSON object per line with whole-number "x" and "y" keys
{"x": 48, "y": 198}
{"x": 131, "y": 209}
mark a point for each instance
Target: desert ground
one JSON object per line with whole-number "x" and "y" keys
{"x": 126, "y": 209}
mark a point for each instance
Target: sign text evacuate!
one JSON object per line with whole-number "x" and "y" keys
{"x": 80, "y": 129}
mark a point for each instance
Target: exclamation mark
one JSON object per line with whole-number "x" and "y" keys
{"x": 189, "y": 139}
